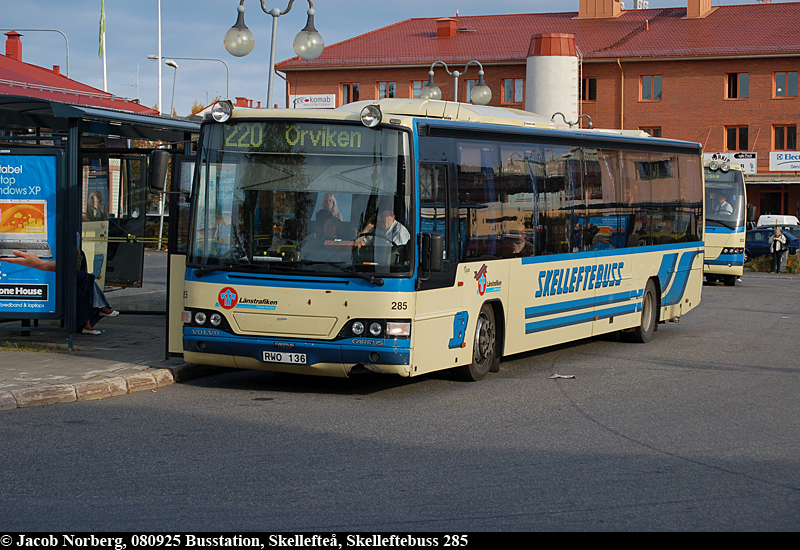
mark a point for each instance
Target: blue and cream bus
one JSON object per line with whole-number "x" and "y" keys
{"x": 410, "y": 236}
{"x": 726, "y": 217}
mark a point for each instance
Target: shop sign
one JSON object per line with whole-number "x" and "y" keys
{"x": 784, "y": 161}
{"x": 320, "y": 101}
{"x": 748, "y": 161}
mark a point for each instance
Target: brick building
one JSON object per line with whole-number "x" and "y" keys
{"x": 726, "y": 76}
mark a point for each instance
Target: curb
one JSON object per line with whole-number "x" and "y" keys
{"x": 156, "y": 377}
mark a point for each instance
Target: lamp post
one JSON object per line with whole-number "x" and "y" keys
{"x": 46, "y": 30}
{"x": 171, "y": 63}
{"x": 308, "y": 43}
{"x": 481, "y": 94}
{"x": 227, "y": 71}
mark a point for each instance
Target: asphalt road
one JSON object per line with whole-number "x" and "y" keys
{"x": 697, "y": 431}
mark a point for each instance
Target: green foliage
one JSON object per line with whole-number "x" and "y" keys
{"x": 764, "y": 264}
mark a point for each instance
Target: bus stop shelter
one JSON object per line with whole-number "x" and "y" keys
{"x": 73, "y": 176}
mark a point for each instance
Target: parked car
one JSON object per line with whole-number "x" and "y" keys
{"x": 794, "y": 230}
{"x": 757, "y": 243}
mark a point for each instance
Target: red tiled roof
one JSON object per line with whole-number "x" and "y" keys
{"x": 20, "y": 78}
{"x": 739, "y": 30}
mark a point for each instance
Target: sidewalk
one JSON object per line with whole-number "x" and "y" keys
{"x": 129, "y": 356}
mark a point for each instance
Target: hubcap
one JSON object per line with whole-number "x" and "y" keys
{"x": 484, "y": 340}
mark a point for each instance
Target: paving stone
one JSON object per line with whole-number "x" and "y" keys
{"x": 163, "y": 377}
{"x": 44, "y": 395}
{"x": 7, "y": 401}
{"x": 141, "y": 381}
{"x": 97, "y": 389}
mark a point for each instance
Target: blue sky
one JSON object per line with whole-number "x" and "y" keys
{"x": 195, "y": 28}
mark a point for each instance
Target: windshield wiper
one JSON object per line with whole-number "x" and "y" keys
{"x": 377, "y": 281}
{"x": 200, "y": 271}
{"x": 729, "y": 225}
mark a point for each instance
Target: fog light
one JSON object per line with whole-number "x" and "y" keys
{"x": 374, "y": 357}
{"x": 216, "y": 319}
{"x": 358, "y": 328}
{"x": 200, "y": 318}
{"x": 375, "y": 329}
{"x": 398, "y": 329}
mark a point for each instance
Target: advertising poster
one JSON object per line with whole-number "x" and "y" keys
{"x": 27, "y": 224}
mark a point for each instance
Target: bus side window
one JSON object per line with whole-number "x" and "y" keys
{"x": 480, "y": 211}
{"x": 433, "y": 199}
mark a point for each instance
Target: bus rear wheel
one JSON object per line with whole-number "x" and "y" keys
{"x": 643, "y": 333}
{"x": 484, "y": 352}
{"x": 729, "y": 280}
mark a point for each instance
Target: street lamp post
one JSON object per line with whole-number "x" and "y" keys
{"x": 227, "y": 71}
{"x": 171, "y": 63}
{"x": 308, "y": 43}
{"x": 481, "y": 94}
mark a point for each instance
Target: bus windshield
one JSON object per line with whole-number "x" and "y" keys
{"x": 321, "y": 197}
{"x": 725, "y": 198}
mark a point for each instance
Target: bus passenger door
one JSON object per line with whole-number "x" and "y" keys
{"x": 440, "y": 323}
{"x": 179, "y": 212}
{"x": 125, "y": 266}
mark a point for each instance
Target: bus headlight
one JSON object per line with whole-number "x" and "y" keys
{"x": 200, "y": 318}
{"x": 221, "y": 111}
{"x": 358, "y": 328}
{"x": 375, "y": 329}
{"x": 725, "y": 167}
{"x": 398, "y": 329}
{"x": 713, "y": 165}
{"x": 371, "y": 116}
{"x": 216, "y": 319}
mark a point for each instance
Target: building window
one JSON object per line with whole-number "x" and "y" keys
{"x": 416, "y": 88}
{"x": 784, "y": 138}
{"x": 651, "y": 87}
{"x": 589, "y": 88}
{"x": 513, "y": 90}
{"x": 654, "y": 132}
{"x": 387, "y": 89}
{"x": 736, "y": 138}
{"x": 349, "y": 92}
{"x": 786, "y": 84}
{"x": 738, "y": 85}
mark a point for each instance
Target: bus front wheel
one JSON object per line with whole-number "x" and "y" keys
{"x": 484, "y": 352}
{"x": 644, "y": 332}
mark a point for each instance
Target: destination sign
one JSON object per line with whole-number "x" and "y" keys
{"x": 293, "y": 137}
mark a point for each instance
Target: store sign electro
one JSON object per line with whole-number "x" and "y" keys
{"x": 784, "y": 161}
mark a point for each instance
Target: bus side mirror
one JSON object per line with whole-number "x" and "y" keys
{"x": 432, "y": 253}
{"x": 159, "y": 165}
{"x": 751, "y": 212}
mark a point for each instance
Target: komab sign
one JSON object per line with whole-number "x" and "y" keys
{"x": 323, "y": 101}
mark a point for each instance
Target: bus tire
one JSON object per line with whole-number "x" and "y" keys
{"x": 643, "y": 333}
{"x": 729, "y": 280}
{"x": 484, "y": 352}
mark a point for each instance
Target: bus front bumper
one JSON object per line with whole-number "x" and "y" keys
{"x": 317, "y": 357}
